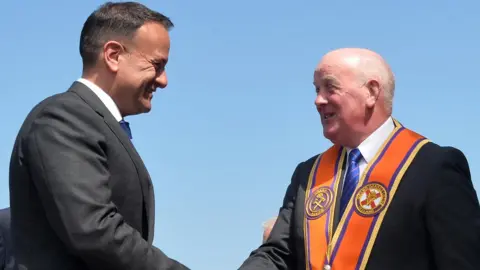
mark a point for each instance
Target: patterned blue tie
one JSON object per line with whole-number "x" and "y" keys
{"x": 126, "y": 126}
{"x": 351, "y": 178}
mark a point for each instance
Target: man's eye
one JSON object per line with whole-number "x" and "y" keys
{"x": 330, "y": 87}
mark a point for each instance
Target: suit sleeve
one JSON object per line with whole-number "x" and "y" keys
{"x": 65, "y": 151}
{"x": 277, "y": 253}
{"x": 453, "y": 214}
{"x": 3, "y": 251}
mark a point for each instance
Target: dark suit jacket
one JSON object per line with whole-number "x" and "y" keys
{"x": 7, "y": 261}
{"x": 433, "y": 221}
{"x": 81, "y": 197}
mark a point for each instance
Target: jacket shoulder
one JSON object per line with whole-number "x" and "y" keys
{"x": 308, "y": 163}
{"x": 4, "y": 219}
{"x": 436, "y": 154}
{"x": 57, "y": 106}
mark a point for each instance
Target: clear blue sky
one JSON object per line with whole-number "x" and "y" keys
{"x": 223, "y": 139}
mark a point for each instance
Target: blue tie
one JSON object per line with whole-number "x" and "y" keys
{"x": 126, "y": 127}
{"x": 351, "y": 178}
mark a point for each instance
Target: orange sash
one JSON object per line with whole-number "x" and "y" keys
{"x": 349, "y": 247}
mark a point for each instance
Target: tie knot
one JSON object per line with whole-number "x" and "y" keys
{"x": 354, "y": 156}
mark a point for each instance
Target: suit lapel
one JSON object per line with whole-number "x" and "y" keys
{"x": 145, "y": 181}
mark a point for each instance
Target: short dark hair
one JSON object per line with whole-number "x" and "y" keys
{"x": 115, "y": 20}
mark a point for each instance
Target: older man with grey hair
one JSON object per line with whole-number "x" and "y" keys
{"x": 382, "y": 196}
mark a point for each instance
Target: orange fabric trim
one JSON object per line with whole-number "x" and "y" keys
{"x": 350, "y": 245}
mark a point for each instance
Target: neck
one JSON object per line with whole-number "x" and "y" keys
{"x": 369, "y": 127}
{"x": 98, "y": 79}
{"x": 104, "y": 82}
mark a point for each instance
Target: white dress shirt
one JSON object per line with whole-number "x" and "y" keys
{"x": 104, "y": 97}
{"x": 370, "y": 146}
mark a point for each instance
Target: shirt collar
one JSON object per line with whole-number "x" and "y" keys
{"x": 104, "y": 97}
{"x": 370, "y": 146}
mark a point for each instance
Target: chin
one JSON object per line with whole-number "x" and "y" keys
{"x": 147, "y": 109}
{"x": 146, "y": 106}
{"x": 330, "y": 134}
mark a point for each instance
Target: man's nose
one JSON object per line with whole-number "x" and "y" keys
{"x": 320, "y": 100}
{"x": 162, "y": 80}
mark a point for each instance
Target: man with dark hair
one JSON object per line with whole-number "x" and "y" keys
{"x": 81, "y": 197}
{"x": 7, "y": 261}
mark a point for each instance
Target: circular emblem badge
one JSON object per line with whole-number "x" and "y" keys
{"x": 371, "y": 199}
{"x": 319, "y": 202}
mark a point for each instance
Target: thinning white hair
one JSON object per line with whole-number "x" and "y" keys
{"x": 370, "y": 65}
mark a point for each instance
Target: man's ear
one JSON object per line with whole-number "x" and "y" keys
{"x": 111, "y": 53}
{"x": 374, "y": 89}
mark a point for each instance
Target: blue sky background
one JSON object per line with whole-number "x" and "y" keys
{"x": 223, "y": 139}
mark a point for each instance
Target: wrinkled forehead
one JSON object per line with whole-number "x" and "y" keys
{"x": 333, "y": 71}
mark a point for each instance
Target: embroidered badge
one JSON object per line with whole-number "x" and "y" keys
{"x": 371, "y": 199}
{"x": 319, "y": 202}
